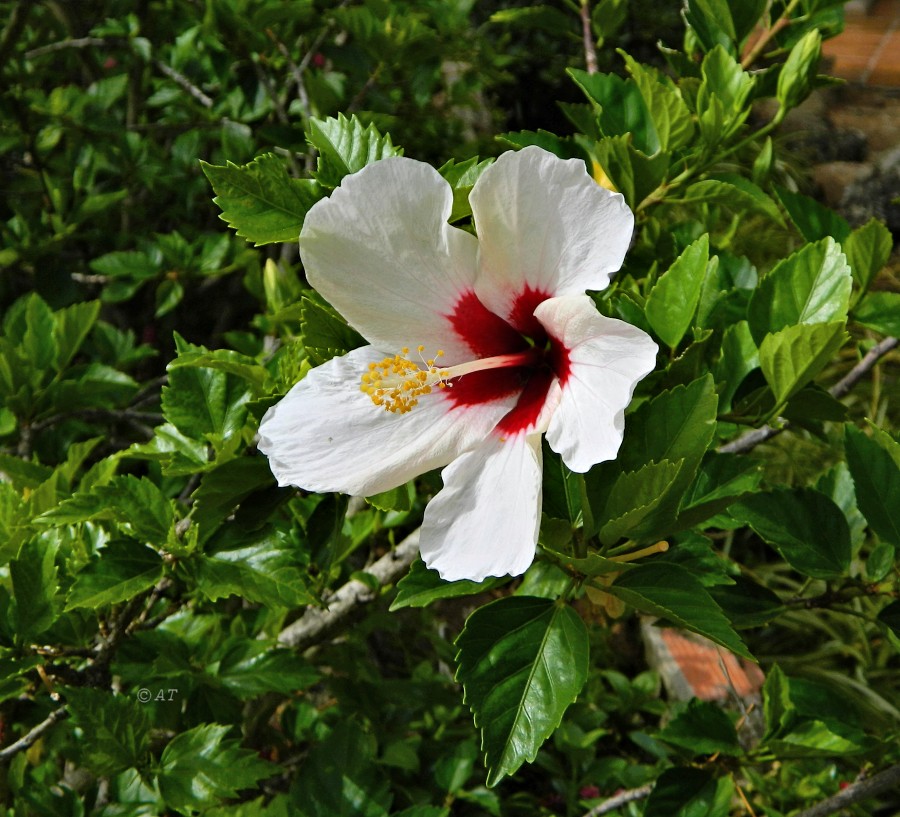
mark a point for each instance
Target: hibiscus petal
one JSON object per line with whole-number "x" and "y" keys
{"x": 326, "y": 435}
{"x": 606, "y": 359}
{"x": 546, "y": 226}
{"x": 485, "y": 520}
{"x": 381, "y": 251}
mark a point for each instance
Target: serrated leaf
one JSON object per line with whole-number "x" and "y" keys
{"x": 815, "y": 221}
{"x": 226, "y": 360}
{"x": 260, "y": 201}
{"x": 34, "y": 588}
{"x": 634, "y": 496}
{"x": 262, "y": 567}
{"x": 250, "y": 668}
{"x": 346, "y": 146}
{"x": 400, "y": 498}
{"x": 116, "y": 730}
{"x": 880, "y": 311}
{"x": 792, "y": 357}
{"x": 462, "y": 177}
{"x": 39, "y": 342}
{"x": 224, "y": 488}
{"x": 711, "y": 21}
{"x": 669, "y": 591}
{"x": 205, "y": 403}
{"x": 120, "y": 571}
{"x": 804, "y": 526}
{"x": 668, "y": 111}
{"x": 325, "y": 334}
{"x": 690, "y": 792}
{"x": 634, "y": 174}
{"x": 521, "y": 662}
{"x": 140, "y": 506}
{"x": 199, "y": 768}
{"x": 876, "y": 475}
{"x": 673, "y": 300}
{"x": 721, "y": 480}
{"x": 702, "y": 728}
{"x": 868, "y": 249}
{"x": 722, "y": 96}
{"x": 73, "y": 324}
{"x": 812, "y": 286}
{"x": 734, "y": 192}
{"x": 421, "y": 586}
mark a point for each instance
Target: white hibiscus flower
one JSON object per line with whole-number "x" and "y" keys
{"x": 509, "y": 348}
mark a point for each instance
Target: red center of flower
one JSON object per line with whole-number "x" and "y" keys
{"x": 536, "y": 358}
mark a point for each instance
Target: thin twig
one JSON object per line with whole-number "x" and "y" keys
{"x": 96, "y": 414}
{"x": 861, "y": 789}
{"x": 587, "y": 35}
{"x": 764, "y": 38}
{"x": 759, "y": 435}
{"x": 620, "y": 799}
{"x": 62, "y": 45}
{"x": 181, "y": 80}
{"x": 316, "y": 624}
{"x": 32, "y": 736}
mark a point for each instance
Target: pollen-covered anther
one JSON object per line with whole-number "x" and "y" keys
{"x": 397, "y": 382}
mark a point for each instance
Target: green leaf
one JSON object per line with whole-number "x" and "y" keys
{"x": 400, "y": 498}
{"x": 673, "y": 300}
{"x": 326, "y": 334}
{"x": 199, "y": 768}
{"x": 721, "y": 480}
{"x": 689, "y": 792}
{"x": 250, "y": 668}
{"x": 739, "y": 357}
{"x": 226, "y": 360}
{"x": 703, "y": 729}
{"x": 634, "y": 174}
{"x": 346, "y": 146}
{"x": 262, "y": 568}
{"x": 890, "y": 616}
{"x": 815, "y": 221}
{"x": 806, "y": 527}
{"x": 792, "y": 357}
{"x": 562, "y": 488}
{"x": 421, "y": 586}
{"x": 668, "y": 111}
{"x": 711, "y": 21}
{"x": 798, "y": 74}
{"x": 462, "y": 177}
{"x": 116, "y": 730}
{"x": 671, "y": 592}
{"x": 140, "y": 506}
{"x": 868, "y": 249}
{"x": 621, "y": 108}
{"x": 736, "y": 193}
{"x": 880, "y": 311}
{"x": 39, "y": 341}
{"x": 204, "y": 402}
{"x": 875, "y": 466}
{"x": 72, "y": 327}
{"x": 34, "y": 586}
{"x": 521, "y": 662}
{"x": 634, "y": 496}
{"x": 120, "y": 571}
{"x": 746, "y": 603}
{"x": 811, "y": 286}
{"x": 260, "y": 201}
{"x": 722, "y": 96}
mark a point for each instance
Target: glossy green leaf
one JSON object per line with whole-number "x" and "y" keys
{"x": 689, "y": 792}
{"x": 34, "y": 587}
{"x": 711, "y": 21}
{"x": 673, "y": 300}
{"x": 666, "y": 107}
{"x": 815, "y": 221}
{"x": 462, "y": 177}
{"x": 346, "y": 146}
{"x": 875, "y": 466}
{"x": 811, "y": 286}
{"x": 116, "y": 730}
{"x": 634, "y": 496}
{"x": 261, "y": 567}
{"x": 521, "y": 662}
{"x": 421, "y": 586}
{"x": 868, "y": 249}
{"x": 804, "y": 526}
{"x": 250, "y": 668}
{"x": 260, "y": 201}
{"x": 721, "y": 480}
{"x": 739, "y": 356}
{"x": 200, "y": 768}
{"x": 671, "y": 592}
{"x": 634, "y": 174}
{"x": 702, "y": 728}
{"x": 880, "y": 311}
{"x": 722, "y": 96}
{"x": 793, "y": 356}
{"x": 119, "y": 573}
{"x": 736, "y": 193}
{"x": 325, "y": 334}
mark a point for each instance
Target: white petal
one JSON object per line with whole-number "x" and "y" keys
{"x": 545, "y": 223}
{"x": 381, "y": 251}
{"x": 485, "y": 520}
{"x": 607, "y": 358}
{"x": 326, "y": 435}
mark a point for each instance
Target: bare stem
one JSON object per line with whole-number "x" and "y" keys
{"x": 861, "y": 789}
{"x": 587, "y": 34}
{"x": 32, "y": 737}
{"x": 619, "y": 800}
{"x": 759, "y": 435}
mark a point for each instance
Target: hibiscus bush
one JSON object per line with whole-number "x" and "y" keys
{"x": 462, "y": 470}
